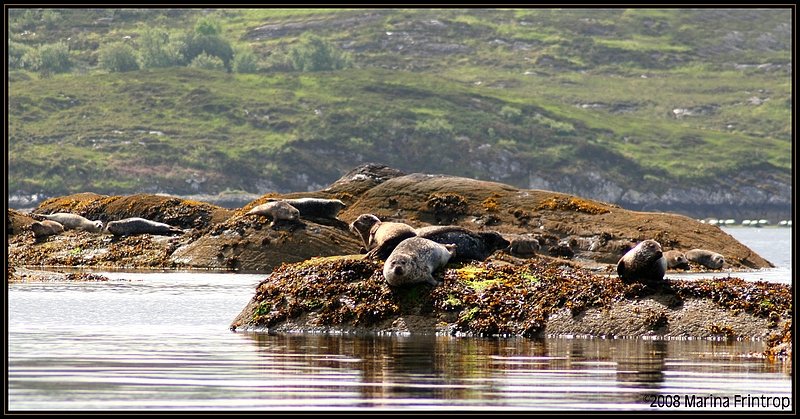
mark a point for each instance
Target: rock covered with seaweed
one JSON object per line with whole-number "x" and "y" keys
{"x": 540, "y": 297}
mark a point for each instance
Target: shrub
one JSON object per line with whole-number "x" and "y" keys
{"x": 435, "y": 126}
{"x": 213, "y": 45}
{"x": 510, "y": 113}
{"x": 316, "y": 54}
{"x": 158, "y": 50}
{"x": 207, "y": 26}
{"x": 118, "y": 57}
{"x": 16, "y": 51}
{"x": 51, "y": 18}
{"x": 208, "y": 62}
{"x": 245, "y": 61}
{"x": 49, "y": 59}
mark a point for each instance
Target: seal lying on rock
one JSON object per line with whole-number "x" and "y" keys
{"x": 315, "y": 207}
{"x": 644, "y": 263}
{"x": 380, "y": 238}
{"x": 523, "y": 246}
{"x": 73, "y": 221}
{"x": 414, "y": 260}
{"x": 46, "y": 228}
{"x": 470, "y": 245}
{"x": 706, "y": 258}
{"x": 676, "y": 260}
{"x": 136, "y": 225}
{"x": 278, "y": 211}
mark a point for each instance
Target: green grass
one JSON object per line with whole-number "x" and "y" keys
{"x": 600, "y": 89}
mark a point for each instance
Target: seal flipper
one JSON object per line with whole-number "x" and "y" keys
{"x": 621, "y": 268}
{"x": 429, "y": 279}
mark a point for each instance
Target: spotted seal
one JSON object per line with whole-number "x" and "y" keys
{"x": 46, "y": 228}
{"x": 315, "y": 207}
{"x": 135, "y": 225}
{"x": 706, "y": 258}
{"x": 644, "y": 263}
{"x": 380, "y": 237}
{"x": 676, "y": 260}
{"x": 73, "y": 221}
{"x": 415, "y": 260}
{"x": 278, "y": 211}
{"x": 470, "y": 245}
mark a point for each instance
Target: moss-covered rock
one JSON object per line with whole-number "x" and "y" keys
{"x": 543, "y": 296}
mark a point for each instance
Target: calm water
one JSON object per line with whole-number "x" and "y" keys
{"x": 772, "y": 243}
{"x": 161, "y": 341}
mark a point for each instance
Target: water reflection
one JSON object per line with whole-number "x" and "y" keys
{"x": 574, "y": 373}
{"x": 640, "y": 364}
{"x": 161, "y": 341}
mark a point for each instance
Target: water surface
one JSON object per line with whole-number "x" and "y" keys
{"x": 160, "y": 341}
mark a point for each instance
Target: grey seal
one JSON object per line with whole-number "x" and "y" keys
{"x": 315, "y": 207}
{"x": 135, "y": 225}
{"x": 676, "y": 260}
{"x": 645, "y": 263}
{"x": 415, "y": 260}
{"x": 73, "y": 221}
{"x": 46, "y": 228}
{"x": 379, "y": 237}
{"x": 706, "y": 258}
{"x": 470, "y": 245}
{"x": 278, "y": 211}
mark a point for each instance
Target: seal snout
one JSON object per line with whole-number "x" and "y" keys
{"x": 398, "y": 270}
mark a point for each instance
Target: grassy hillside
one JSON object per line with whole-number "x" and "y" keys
{"x": 643, "y": 99}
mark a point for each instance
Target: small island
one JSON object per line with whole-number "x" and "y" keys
{"x": 320, "y": 281}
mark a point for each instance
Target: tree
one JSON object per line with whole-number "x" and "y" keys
{"x": 316, "y": 54}
{"x": 196, "y": 44}
{"x": 207, "y": 26}
{"x": 158, "y": 50}
{"x": 118, "y": 57}
{"x": 49, "y": 59}
{"x": 244, "y": 61}
{"x": 16, "y": 52}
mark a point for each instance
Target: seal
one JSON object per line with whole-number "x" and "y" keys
{"x": 135, "y": 225}
{"x": 645, "y": 263}
{"x": 46, "y": 228}
{"x": 706, "y": 258}
{"x": 523, "y": 246}
{"x": 278, "y": 211}
{"x": 379, "y": 237}
{"x": 563, "y": 249}
{"x": 470, "y": 245}
{"x": 415, "y": 260}
{"x": 676, "y": 260}
{"x": 73, "y": 221}
{"x": 315, "y": 207}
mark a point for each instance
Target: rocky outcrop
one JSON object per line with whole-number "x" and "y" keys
{"x": 174, "y": 211}
{"x": 594, "y": 230}
{"x": 592, "y": 233}
{"x": 542, "y": 297}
